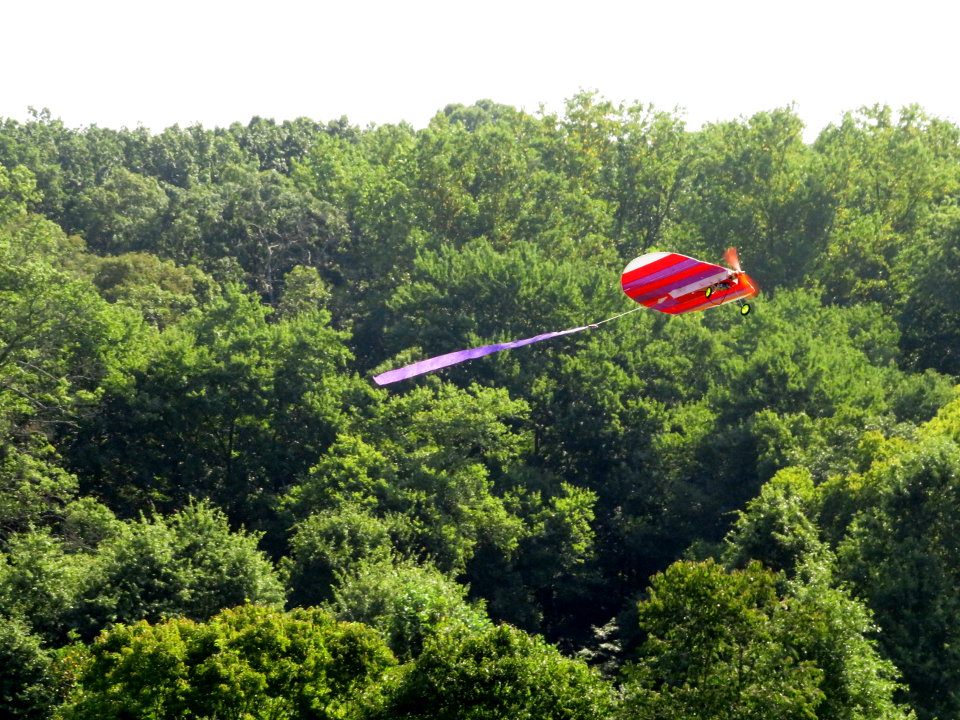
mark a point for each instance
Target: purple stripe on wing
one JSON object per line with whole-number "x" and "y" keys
{"x": 679, "y": 283}
{"x": 665, "y": 305}
{"x": 660, "y": 275}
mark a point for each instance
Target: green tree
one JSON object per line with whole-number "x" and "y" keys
{"x": 900, "y": 556}
{"x": 249, "y": 662}
{"x": 830, "y": 628}
{"x": 540, "y": 585}
{"x": 303, "y": 291}
{"x": 18, "y": 187}
{"x": 85, "y": 523}
{"x": 60, "y": 343}
{"x": 407, "y": 602}
{"x": 653, "y": 157}
{"x": 444, "y": 171}
{"x": 755, "y": 185}
{"x": 776, "y": 527}
{"x": 159, "y": 290}
{"x": 41, "y": 582}
{"x": 497, "y": 672}
{"x": 95, "y": 571}
{"x": 887, "y": 173}
{"x": 367, "y": 179}
{"x": 277, "y": 146}
{"x": 59, "y": 160}
{"x": 231, "y": 407}
{"x": 189, "y": 564}
{"x": 123, "y": 214}
{"x": 185, "y": 157}
{"x": 27, "y": 683}
{"x": 930, "y": 284}
{"x": 478, "y": 294}
{"x": 33, "y": 485}
{"x": 825, "y": 624}
{"x": 716, "y": 648}
{"x": 432, "y": 456}
{"x": 268, "y": 225}
{"x": 328, "y": 544}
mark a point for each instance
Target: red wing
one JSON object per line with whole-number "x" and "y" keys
{"x": 669, "y": 282}
{"x": 737, "y": 288}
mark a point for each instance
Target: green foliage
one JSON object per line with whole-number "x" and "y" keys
{"x": 189, "y": 564}
{"x": 888, "y": 175}
{"x": 86, "y": 523}
{"x": 41, "y": 583}
{"x": 195, "y": 313}
{"x": 716, "y": 647}
{"x": 946, "y": 424}
{"x": 98, "y": 571}
{"x": 248, "y": 662}
{"x": 496, "y": 672}
{"x": 329, "y": 543}
{"x": 408, "y": 603}
{"x": 899, "y": 554}
{"x": 790, "y": 358}
{"x": 477, "y": 294}
{"x": 653, "y": 158}
{"x": 929, "y": 310}
{"x": 123, "y": 214}
{"x": 430, "y": 456}
{"x": 756, "y": 185}
{"x": 303, "y": 291}
{"x": 829, "y": 627}
{"x": 890, "y": 522}
{"x": 26, "y": 678}
{"x": 18, "y": 186}
{"x": 158, "y": 289}
{"x": 539, "y": 585}
{"x": 776, "y": 528}
{"x": 60, "y": 343}
{"x": 231, "y": 407}
{"x": 33, "y": 485}
{"x": 261, "y": 220}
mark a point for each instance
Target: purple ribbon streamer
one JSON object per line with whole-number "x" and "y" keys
{"x": 442, "y": 361}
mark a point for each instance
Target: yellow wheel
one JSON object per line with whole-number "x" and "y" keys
{"x": 745, "y": 309}
{"x": 709, "y": 292}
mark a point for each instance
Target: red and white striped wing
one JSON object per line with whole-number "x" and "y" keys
{"x": 674, "y": 283}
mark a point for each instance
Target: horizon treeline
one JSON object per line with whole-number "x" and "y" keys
{"x": 207, "y": 509}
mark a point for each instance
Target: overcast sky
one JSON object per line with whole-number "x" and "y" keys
{"x": 117, "y": 64}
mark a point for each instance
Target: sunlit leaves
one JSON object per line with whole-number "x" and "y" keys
{"x": 246, "y": 662}
{"x": 717, "y": 647}
{"x": 498, "y": 672}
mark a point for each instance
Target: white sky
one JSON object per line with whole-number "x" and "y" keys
{"x": 117, "y": 64}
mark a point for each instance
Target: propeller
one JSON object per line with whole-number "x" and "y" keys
{"x": 730, "y": 257}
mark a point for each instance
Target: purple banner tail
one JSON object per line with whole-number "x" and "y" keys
{"x": 442, "y": 361}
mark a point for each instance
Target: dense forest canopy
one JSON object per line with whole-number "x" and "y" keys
{"x": 208, "y": 510}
